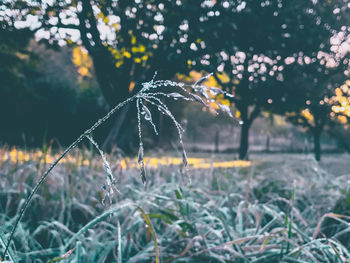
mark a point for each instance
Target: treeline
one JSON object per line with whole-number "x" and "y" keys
{"x": 280, "y": 56}
{"x": 41, "y": 98}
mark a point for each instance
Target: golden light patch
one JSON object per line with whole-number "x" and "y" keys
{"x": 20, "y": 156}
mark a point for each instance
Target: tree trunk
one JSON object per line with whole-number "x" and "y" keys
{"x": 114, "y": 88}
{"x": 317, "y": 144}
{"x": 247, "y": 122}
{"x": 244, "y": 142}
{"x": 267, "y": 148}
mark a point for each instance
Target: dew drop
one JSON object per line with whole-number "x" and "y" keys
{"x": 146, "y": 112}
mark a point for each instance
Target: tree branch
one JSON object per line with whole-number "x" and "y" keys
{"x": 58, "y": 25}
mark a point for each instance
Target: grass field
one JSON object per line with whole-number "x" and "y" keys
{"x": 276, "y": 208}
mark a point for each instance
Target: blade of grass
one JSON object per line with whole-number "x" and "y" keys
{"x": 9, "y": 251}
{"x": 153, "y": 233}
{"x": 46, "y": 174}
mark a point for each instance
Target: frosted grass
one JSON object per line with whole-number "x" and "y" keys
{"x": 149, "y": 93}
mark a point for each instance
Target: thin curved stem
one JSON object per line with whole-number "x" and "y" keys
{"x": 46, "y": 174}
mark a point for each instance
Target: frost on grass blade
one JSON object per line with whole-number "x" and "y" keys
{"x": 148, "y": 117}
{"x": 203, "y": 91}
{"x": 215, "y": 91}
{"x": 143, "y": 174}
{"x": 184, "y": 158}
{"x": 178, "y": 96}
{"x": 202, "y": 79}
{"x": 226, "y": 109}
{"x": 142, "y": 165}
{"x": 199, "y": 99}
{"x": 140, "y": 155}
{"x": 10, "y": 253}
{"x": 149, "y": 94}
{"x": 110, "y": 185}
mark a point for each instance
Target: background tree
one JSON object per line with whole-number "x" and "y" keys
{"x": 312, "y": 79}
{"x": 245, "y": 44}
{"x": 340, "y": 102}
{"x": 313, "y": 83}
{"x": 127, "y": 40}
{"x": 39, "y": 92}
{"x": 16, "y": 63}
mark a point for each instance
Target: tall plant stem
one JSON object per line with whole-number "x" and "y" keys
{"x": 46, "y": 174}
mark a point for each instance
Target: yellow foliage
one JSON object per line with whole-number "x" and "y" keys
{"x": 211, "y": 82}
{"x": 83, "y": 71}
{"x": 138, "y": 49}
{"x": 342, "y": 119}
{"x": 214, "y": 105}
{"x": 82, "y": 61}
{"x": 118, "y": 64}
{"x": 224, "y": 77}
{"x": 127, "y": 54}
{"x": 133, "y": 40}
{"x": 225, "y": 102}
{"x": 116, "y": 26}
{"x": 195, "y": 75}
{"x": 308, "y": 116}
{"x": 338, "y": 92}
{"x": 120, "y": 55}
{"x": 106, "y": 20}
{"x": 341, "y": 102}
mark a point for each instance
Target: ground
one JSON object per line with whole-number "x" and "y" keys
{"x": 275, "y": 208}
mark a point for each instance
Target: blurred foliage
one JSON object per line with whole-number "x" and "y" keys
{"x": 82, "y": 61}
{"x": 319, "y": 79}
{"x": 247, "y": 45}
{"x": 266, "y": 54}
{"x": 40, "y": 98}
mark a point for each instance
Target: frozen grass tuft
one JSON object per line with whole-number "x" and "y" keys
{"x": 151, "y": 93}
{"x": 278, "y": 215}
